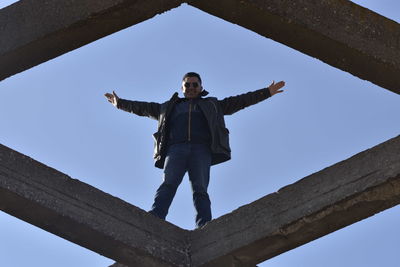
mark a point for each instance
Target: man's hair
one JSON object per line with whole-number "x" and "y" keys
{"x": 191, "y": 74}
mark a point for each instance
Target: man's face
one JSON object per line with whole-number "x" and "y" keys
{"x": 191, "y": 87}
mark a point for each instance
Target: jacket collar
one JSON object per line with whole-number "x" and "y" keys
{"x": 204, "y": 93}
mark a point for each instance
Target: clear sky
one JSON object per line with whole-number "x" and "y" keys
{"x": 56, "y": 113}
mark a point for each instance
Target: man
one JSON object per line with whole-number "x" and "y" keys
{"x": 191, "y": 137}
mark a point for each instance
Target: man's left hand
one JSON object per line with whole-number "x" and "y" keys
{"x": 274, "y": 88}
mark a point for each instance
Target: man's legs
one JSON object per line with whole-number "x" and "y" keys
{"x": 199, "y": 176}
{"x": 174, "y": 169}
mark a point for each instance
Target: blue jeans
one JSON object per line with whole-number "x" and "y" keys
{"x": 181, "y": 158}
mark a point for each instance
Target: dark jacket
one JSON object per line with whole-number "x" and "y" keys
{"x": 212, "y": 108}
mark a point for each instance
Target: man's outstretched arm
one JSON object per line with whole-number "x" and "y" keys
{"x": 233, "y": 104}
{"x": 147, "y": 109}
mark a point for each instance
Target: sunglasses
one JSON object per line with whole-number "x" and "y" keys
{"x": 195, "y": 85}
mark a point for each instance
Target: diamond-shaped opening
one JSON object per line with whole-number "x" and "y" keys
{"x": 325, "y": 115}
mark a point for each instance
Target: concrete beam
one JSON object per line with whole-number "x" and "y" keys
{"x": 317, "y": 205}
{"x": 338, "y": 32}
{"x": 34, "y": 31}
{"x": 87, "y": 216}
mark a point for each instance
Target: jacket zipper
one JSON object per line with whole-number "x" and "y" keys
{"x": 190, "y": 118}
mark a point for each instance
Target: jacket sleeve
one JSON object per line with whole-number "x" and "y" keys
{"x": 233, "y": 104}
{"x": 147, "y": 109}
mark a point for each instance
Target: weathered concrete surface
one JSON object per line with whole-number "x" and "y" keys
{"x": 333, "y": 198}
{"x": 87, "y": 216}
{"x": 317, "y": 205}
{"x": 338, "y": 32}
{"x": 34, "y": 31}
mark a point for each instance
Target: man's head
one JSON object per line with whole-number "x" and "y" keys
{"x": 191, "y": 85}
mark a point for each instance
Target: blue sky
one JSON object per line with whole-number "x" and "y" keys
{"x": 56, "y": 113}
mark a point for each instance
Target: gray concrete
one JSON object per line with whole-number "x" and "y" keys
{"x": 34, "y": 31}
{"x": 317, "y": 205}
{"x": 87, "y": 216}
{"x": 333, "y": 198}
{"x": 338, "y": 32}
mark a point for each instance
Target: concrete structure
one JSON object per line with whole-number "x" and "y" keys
{"x": 317, "y": 205}
{"x": 328, "y": 200}
{"x": 85, "y": 215}
{"x": 34, "y": 31}
{"x": 337, "y": 32}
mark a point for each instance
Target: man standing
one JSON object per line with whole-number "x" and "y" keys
{"x": 191, "y": 137}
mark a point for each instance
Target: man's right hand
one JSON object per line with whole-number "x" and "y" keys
{"x": 112, "y": 98}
